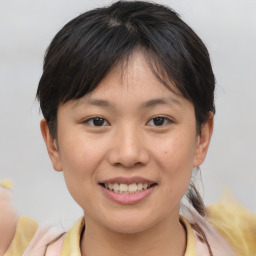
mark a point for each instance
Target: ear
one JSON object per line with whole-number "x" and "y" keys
{"x": 52, "y": 146}
{"x": 203, "y": 141}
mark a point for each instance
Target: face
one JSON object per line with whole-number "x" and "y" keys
{"x": 128, "y": 149}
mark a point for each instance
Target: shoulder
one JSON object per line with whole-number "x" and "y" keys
{"x": 229, "y": 227}
{"x": 205, "y": 237}
{"x": 46, "y": 242}
{"x": 18, "y": 235}
{"x": 235, "y": 223}
{"x": 55, "y": 242}
{"x": 8, "y": 216}
{"x": 23, "y": 236}
{"x": 24, "y": 231}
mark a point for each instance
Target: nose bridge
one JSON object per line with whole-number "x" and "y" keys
{"x": 128, "y": 148}
{"x": 129, "y": 140}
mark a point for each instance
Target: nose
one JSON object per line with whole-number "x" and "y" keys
{"x": 128, "y": 149}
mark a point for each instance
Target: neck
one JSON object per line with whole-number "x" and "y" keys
{"x": 165, "y": 239}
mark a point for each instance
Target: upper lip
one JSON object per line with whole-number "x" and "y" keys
{"x": 127, "y": 180}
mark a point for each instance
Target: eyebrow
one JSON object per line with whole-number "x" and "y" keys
{"x": 95, "y": 102}
{"x": 148, "y": 104}
{"x": 160, "y": 101}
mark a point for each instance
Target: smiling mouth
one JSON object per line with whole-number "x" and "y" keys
{"x": 127, "y": 188}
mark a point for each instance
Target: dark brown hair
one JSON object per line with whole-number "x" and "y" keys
{"x": 86, "y": 48}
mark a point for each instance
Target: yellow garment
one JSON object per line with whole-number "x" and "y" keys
{"x": 71, "y": 246}
{"x": 26, "y": 229}
{"x": 6, "y": 183}
{"x": 191, "y": 249}
{"x": 235, "y": 223}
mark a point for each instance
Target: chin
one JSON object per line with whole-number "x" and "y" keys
{"x": 130, "y": 224}
{"x": 129, "y": 229}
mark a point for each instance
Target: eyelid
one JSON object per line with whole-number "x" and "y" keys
{"x": 168, "y": 119}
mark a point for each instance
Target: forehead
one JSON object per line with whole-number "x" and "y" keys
{"x": 131, "y": 83}
{"x": 130, "y": 73}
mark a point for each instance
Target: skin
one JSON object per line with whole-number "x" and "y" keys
{"x": 128, "y": 144}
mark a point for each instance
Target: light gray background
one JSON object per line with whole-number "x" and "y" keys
{"x": 228, "y": 27}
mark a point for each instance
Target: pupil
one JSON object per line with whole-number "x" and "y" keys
{"x": 158, "y": 121}
{"x": 98, "y": 121}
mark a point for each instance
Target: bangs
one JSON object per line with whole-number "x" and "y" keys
{"x": 87, "y": 54}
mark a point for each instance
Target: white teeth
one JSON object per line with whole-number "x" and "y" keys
{"x": 140, "y": 186}
{"x": 116, "y": 187}
{"x": 110, "y": 186}
{"x": 133, "y": 187}
{"x": 125, "y": 188}
{"x": 145, "y": 186}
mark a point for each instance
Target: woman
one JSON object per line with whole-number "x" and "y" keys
{"x": 127, "y": 95}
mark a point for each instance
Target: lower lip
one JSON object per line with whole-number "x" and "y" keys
{"x": 127, "y": 198}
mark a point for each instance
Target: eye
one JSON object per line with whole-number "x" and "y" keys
{"x": 96, "y": 121}
{"x": 159, "y": 121}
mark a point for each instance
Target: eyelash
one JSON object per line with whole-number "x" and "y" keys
{"x": 93, "y": 119}
{"x": 166, "y": 121}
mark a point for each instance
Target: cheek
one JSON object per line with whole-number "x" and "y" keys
{"x": 80, "y": 159}
{"x": 175, "y": 153}
{"x": 80, "y": 155}
{"x": 175, "y": 157}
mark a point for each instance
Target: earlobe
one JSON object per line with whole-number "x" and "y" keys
{"x": 203, "y": 141}
{"x": 51, "y": 145}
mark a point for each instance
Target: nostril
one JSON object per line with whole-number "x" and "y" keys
{"x": 127, "y": 156}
